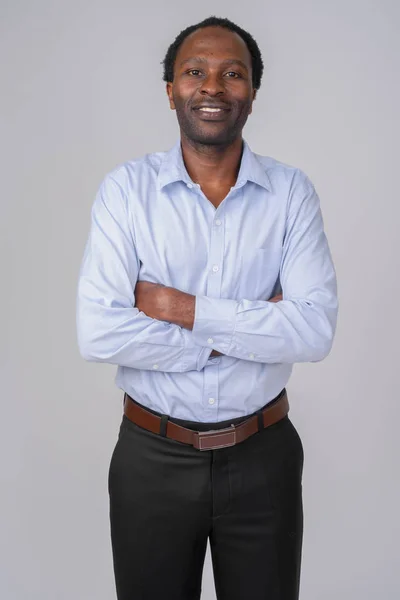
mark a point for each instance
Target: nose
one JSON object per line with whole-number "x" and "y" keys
{"x": 213, "y": 85}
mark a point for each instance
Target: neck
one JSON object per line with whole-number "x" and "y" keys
{"x": 209, "y": 164}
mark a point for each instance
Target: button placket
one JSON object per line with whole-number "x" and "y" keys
{"x": 216, "y": 256}
{"x": 214, "y": 282}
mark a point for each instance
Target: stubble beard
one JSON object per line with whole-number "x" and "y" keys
{"x": 198, "y": 135}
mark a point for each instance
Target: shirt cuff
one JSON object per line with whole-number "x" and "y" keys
{"x": 195, "y": 356}
{"x": 214, "y": 322}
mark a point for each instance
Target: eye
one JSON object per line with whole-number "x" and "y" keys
{"x": 193, "y": 72}
{"x": 232, "y": 74}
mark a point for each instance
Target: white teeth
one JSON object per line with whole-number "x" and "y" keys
{"x": 206, "y": 109}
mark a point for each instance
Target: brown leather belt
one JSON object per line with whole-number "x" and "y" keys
{"x": 214, "y": 438}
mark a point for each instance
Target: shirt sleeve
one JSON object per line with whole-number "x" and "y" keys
{"x": 109, "y": 328}
{"x": 301, "y": 327}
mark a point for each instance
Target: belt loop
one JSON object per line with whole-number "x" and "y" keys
{"x": 163, "y": 425}
{"x": 260, "y": 420}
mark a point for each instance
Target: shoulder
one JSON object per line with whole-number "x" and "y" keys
{"x": 289, "y": 184}
{"x": 283, "y": 174}
{"x": 134, "y": 173}
{"x": 127, "y": 184}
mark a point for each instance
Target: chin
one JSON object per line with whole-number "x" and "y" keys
{"x": 211, "y": 139}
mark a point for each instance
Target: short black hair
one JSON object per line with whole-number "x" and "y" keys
{"x": 256, "y": 59}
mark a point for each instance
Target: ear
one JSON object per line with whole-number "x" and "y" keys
{"x": 254, "y": 97}
{"x": 169, "y": 93}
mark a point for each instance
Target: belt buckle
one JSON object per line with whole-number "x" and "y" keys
{"x": 205, "y": 443}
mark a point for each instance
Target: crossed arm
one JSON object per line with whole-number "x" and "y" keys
{"x": 169, "y": 304}
{"x": 155, "y": 326}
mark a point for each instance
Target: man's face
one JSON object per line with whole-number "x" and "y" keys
{"x": 212, "y": 90}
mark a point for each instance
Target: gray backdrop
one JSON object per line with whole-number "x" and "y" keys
{"x": 81, "y": 93}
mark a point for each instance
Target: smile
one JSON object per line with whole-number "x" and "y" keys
{"x": 213, "y": 110}
{"x": 211, "y": 113}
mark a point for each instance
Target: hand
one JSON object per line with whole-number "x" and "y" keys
{"x": 216, "y": 353}
{"x": 277, "y": 298}
{"x": 151, "y": 298}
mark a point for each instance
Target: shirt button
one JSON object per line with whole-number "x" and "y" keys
{"x": 215, "y": 268}
{"x": 251, "y": 355}
{"x": 218, "y": 222}
{"x": 155, "y": 366}
{"x": 211, "y": 400}
{"x": 210, "y": 340}
{"x": 189, "y": 185}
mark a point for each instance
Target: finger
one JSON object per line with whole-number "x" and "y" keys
{"x": 276, "y": 298}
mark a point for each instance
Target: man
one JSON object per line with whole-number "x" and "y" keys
{"x": 206, "y": 276}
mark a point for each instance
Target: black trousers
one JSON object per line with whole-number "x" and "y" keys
{"x": 167, "y": 499}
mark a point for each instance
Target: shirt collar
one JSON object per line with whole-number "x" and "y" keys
{"x": 173, "y": 169}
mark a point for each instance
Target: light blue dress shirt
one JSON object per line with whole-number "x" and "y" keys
{"x": 151, "y": 222}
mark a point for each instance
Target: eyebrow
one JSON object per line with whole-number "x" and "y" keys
{"x": 227, "y": 62}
